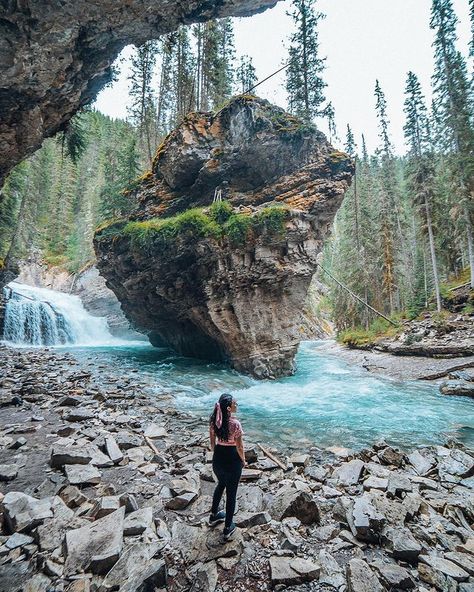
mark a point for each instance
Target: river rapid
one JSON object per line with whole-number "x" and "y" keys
{"x": 328, "y": 402}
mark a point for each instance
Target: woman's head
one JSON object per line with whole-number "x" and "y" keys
{"x": 221, "y": 414}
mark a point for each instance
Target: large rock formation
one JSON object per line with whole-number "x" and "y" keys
{"x": 55, "y": 56}
{"x": 228, "y": 282}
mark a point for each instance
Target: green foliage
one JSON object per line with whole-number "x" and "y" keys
{"x": 360, "y": 337}
{"x": 237, "y": 228}
{"x": 220, "y": 211}
{"x": 272, "y": 219}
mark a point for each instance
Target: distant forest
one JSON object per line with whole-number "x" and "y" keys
{"x": 405, "y": 227}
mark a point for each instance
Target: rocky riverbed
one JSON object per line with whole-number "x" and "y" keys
{"x": 106, "y": 486}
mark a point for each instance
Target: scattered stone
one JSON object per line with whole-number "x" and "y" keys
{"x": 290, "y": 502}
{"x": 8, "y": 472}
{"x": 293, "y": 571}
{"x": 18, "y": 540}
{"x": 393, "y": 576}
{"x": 79, "y": 414}
{"x": 404, "y": 546}
{"x": 250, "y": 475}
{"x": 105, "y": 505}
{"x": 95, "y": 547}
{"x": 155, "y": 431}
{"x": 299, "y": 460}
{"x": 373, "y": 482}
{"x": 137, "y": 570}
{"x": 420, "y": 463}
{"x": 458, "y": 388}
{"x": 367, "y": 521}
{"x": 127, "y": 440}
{"x": 360, "y": 578}
{"x": 50, "y": 534}
{"x": 23, "y": 512}
{"x": 204, "y": 577}
{"x": 113, "y": 450}
{"x": 72, "y": 496}
{"x": 446, "y": 567}
{"x": 82, "y": 474}
{"x": 316, "y": 472}
{"x": 331, "y": 572}
{"x": 248, "y": 519}
{"x": 70, "y": 455}
{"x": 138, "y": 521}
{"x": 18, "y": 443}
{"x": 180, "y": 502}
{"x": 348, "y": 473}
{"x": 390, "y": 456}
{"x": 398, "y": 484}
{"x": 463, "y": 560}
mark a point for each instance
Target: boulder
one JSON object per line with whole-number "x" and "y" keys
{"x": 180, "y": 502}
{"x": 348, "y": 473}
{"x": 229, "y": 289}
{"x": 360, "y": 578}
{"x": 137, "y": 569}
{"x": 421, "y": 463}
{"x": 459, "y": 388}
{"x": 393, "y": 576}
{"x": 80, "y": 414}
{"x": 398, "y": 483}
{"x": 23, "y": 512}
{"x": 138, "y": 521}
{"x": 367, "y": 521}
{"x": 332, "y": 573}
{"x": 82, "y": 474}
{"x": 95, "y": 547}
{"x": 291, "y": 502}
{"x": 446, "y": 567}
{"x": 70, "y": 455}
{"x": 292, "y": 571}
{"x": 403, "y": 545}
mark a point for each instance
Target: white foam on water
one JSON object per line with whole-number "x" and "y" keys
{"x": 43, "y": 317}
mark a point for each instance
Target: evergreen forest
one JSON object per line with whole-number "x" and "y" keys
{"x": 404, "y": 234}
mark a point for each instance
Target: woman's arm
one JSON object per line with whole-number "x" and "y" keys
{"x": 240, "y": 449}
{"x": 212, "y": 437}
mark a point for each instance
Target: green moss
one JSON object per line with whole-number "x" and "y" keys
{"x": 238, "y": 228}
{"x": 360, "y": 337}
{"x": 220, "y": 211}
{"x": 217, "y": 222}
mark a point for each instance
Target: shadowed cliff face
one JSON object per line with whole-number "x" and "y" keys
{"x": 228, "y": 282}
{"x": 55, "y": 56}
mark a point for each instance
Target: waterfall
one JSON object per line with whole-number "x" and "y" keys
{"x": 38, "y": 316}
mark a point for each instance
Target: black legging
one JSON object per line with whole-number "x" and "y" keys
{"x": 227, "y": 466}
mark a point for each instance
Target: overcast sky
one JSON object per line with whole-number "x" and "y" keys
{"x": 362, "y": 40}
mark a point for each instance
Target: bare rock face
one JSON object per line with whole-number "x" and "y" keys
{"x": 55, "y": 56}
{"x": 228, "y": 282}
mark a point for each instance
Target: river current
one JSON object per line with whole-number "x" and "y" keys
{"x": 326, "y": 403}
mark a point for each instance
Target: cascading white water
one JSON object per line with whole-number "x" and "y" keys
{"x": 38, "y": 316}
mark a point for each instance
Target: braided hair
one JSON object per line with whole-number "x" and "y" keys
{"x": 222, "y": 432}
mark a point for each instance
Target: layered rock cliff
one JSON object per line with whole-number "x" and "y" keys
{"x": 228, "y": 281}
{"x": 55, "y": 56}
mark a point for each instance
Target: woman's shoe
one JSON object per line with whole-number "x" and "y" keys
{"x": 216, "y": 518}
{"x": 229, "y": 531}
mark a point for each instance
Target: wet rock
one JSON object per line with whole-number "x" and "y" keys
{"x": 292, "y": 571}
{"x": 391, "y": 456}
{"x": 137, "y": 569}
{"x": 393, "y": 576}
{"x": 137, "y": 522}
{"x": 8, "y": 472}
{"x": 421, "y": 463}
{"x": 23, "y": 512}
{"x": 290, "y": 502}
{"x": 458, "y": 463}
{"x": 366, "y": 519}
{"x": 458, "y": 388}
{"x": 348, "y": 473}
{"x": 82, "y": 474}
{"x": 95, "y": 547}
{"x": 446, "y": 567}
{"x": 360, "y": 578}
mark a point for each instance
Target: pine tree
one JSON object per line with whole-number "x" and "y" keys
{"x": 142, "y": 108}
{"x": 420, "y": 170}
{"x": 453, "y": 106}
{"x": 246, "y": 76}
{"x": 304, "y": 83}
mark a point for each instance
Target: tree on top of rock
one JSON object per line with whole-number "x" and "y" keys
{"x": 304, "y": 83}
{"x": 245, "y": 75}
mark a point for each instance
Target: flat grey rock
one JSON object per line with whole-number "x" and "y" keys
{"x": 137, "y": 522}
{"x": 18, "y": 540}
{"x": 291, "y": 571}
{"x": 96, "y": 546}
{"x": 8, "y": 472}
{"x": 360, "y": 578}
{"x": 348, "y": 473}
{"x": 113, "y": 450}
{"x": 393, "y": 576}
{"x": 23, "y": 512}
{"x": 82, "y": 474}
{"x": 290, "y": 502}
{"x": 446, "y": 567}
{"x": 332, "y": 573}
{"x": 70, "y": 455}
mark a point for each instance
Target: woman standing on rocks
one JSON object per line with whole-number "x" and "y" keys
{"x": 228, "y": 460}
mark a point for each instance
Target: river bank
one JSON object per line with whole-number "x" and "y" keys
{"x": 105, "y": 487}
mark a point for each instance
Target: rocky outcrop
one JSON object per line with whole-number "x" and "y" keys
{"x": 56, "y": 56}
{"x": 228, "y": 282}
